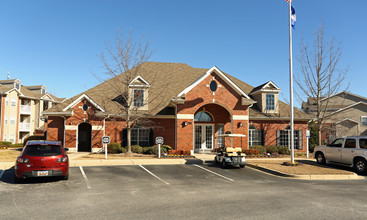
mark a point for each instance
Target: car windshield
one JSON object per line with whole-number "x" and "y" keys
{"x": 42, "y": 150}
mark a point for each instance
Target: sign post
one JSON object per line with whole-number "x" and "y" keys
{"x": 159, "y": 141}
{"x": 308, "y": 138}
{"x": 105, "y": 140}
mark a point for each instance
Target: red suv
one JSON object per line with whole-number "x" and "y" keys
{"x": 42, "y": 159}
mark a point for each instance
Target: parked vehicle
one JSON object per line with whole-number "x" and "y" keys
{"x": 229, "y": 155}
{"x": 348, "y": 151}
{"x": 42, "y": 159}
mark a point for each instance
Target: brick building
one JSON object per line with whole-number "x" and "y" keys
{"x": 196, "y": 106}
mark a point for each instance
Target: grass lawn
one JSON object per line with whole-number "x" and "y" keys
{"x": 9, "y": 155}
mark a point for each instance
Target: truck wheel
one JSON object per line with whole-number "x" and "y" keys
{"x": 224, "y": 165}
{"x": 360, "y": 166}
{"x": 320, "y": 159}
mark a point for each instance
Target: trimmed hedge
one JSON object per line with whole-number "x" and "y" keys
{"x": 251, "y": 151}
{"x": 19, "y": 145}
{"x": 272, "y": 149}
{"x": 5, "y": 144}
{"x": 283, "y": 150}
{"x": 115, "y": 148}
{"x": 154, "y": 149}
{"x": 137, "y": 149}
{"x": 261, "y": 149}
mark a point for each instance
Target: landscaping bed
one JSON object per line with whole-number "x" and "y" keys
{"x": 308, "y": 167}
{"x": 115, "y": 156}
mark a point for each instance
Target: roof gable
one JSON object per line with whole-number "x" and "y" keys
{"x": 83, "y": 96}
{"x": 348, "y": 107}
{"x": 221, "y": 75}
{"x": 266, "y": 87}
{"x": 139, "y": 82}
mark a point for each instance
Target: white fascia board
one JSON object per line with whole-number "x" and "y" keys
{"x": 271, "y": 82}
{"x": 221, "y": 74}
{"x": 138, "y": 78}
{"x": 20, "y": 94}
{"x": 79, "y": 99}
{"x": 350, "y": 106}
{"x": 48, "y": 96}
{"x": 346, "y": 93}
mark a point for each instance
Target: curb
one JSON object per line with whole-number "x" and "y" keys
{"x": 308, "y": 177}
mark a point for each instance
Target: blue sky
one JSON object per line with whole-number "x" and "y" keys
{"x": 57, "y": 43}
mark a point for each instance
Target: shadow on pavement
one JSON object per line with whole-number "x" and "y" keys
{"x": 8, "y": 177}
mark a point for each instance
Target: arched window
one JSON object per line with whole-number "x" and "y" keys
{"x": 203, "y": 116}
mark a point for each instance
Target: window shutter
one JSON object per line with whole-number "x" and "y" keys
{"x": 278, "y": 137}
{"x": 124, "y": 137}
{"x": 151, "y": 137}
{"x": 300, "y": 138}
{"x": 263, "y": 132}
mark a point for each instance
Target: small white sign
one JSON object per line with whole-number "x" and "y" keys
{"x": 308, "y": 135}
{"x": 159, "y": 140}
{"x": 106, "y": 140}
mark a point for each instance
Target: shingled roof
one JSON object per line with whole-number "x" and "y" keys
{"x": 177, "y": 76}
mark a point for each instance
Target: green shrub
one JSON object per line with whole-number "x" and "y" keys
{"x": 154, "y": 149}
{"x": 19, "y": 145}
{"x": 260, "y": 148}
{"x": 34, "y": 137}
{"x": 115, "y": 148}
{"x": 272, "y": 149}
{"x": 283, "y": 150}
{"x": 5, "y": 144}
{"x": 136, "y": 149}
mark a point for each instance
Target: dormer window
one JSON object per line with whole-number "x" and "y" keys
{"x": 17, "y": 86}
{"x": 138, "y": 97}
{"x": 43, "y": 91}
{"x": 270, "y": 103}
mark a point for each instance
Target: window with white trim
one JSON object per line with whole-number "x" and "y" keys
{"x": 7, "y": 101}
{"x": 17, "y": 86}
{"x": 12, "y": 139}
{"x": 364, "y": 120}
{"x": 140, "y": 136}
{"x": 138, "y": 97}
{"x": 6, "y": 120}
{"x": 5, "y": 136}
{"x": 13, "y": 102}
{"x": 254, "y": 136}
{"x": 12, "y": 120}
{"x": 284, "y": 138}
{"x": 220, "y": 140}
{"x": 270, "y": 103}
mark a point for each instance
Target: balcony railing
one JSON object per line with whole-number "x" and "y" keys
{"x": 24, "y": 126}
{"x": 25, "y": 109}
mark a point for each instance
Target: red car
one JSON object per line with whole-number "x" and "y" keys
{"x": 42, "y": 159}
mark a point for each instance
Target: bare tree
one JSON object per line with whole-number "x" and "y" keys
{"x": 320, "y": 76}
{"x": 127, "y": 102}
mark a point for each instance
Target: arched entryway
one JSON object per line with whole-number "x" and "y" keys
{"x": 210, "y": 121}
{"x": 84, "y": 137}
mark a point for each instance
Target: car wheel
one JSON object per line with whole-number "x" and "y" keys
{"x": 242, "y": 166}
{"x": 17, "y": 180}
{"x": 216, "y": 160}
{"x": 320, "y": 158}
{"x": 65, "y": 177}
{"x": 360, "y": 166}
{"x": 224, "y": 165}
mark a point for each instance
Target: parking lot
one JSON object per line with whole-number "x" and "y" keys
{"x": 178, "y": 191}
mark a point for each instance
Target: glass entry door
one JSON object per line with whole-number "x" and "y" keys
{"x": 204, "y": 137}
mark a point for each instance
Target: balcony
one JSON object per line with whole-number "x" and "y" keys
{"x": 24, "y": 127}
{"x": 25, "y": 109}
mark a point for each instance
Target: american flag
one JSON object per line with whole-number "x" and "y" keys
{"x": 289, "y": 1}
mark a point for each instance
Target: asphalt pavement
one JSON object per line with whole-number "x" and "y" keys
{"x": 196, "y": 191}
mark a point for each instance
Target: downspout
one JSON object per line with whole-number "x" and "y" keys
{"x": 176, "y": 127}
{"x": 63, "y": 141}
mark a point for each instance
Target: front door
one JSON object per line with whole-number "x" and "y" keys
{"x": 84, "y": 137}
{"x": 204, "y": 137}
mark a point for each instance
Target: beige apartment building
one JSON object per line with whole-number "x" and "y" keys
{"x": 21, "y": 109}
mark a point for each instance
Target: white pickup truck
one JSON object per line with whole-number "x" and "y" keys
{"x": 348, "y": 151}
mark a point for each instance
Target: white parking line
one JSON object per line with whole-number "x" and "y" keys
{"x": 153, "y": 174}
{"x": 85, "y": 177}
{"x": 1, "y": 174}
{"x": 214, "y": 173}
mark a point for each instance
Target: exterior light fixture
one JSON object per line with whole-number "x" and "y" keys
{"x": 240, "y": 124}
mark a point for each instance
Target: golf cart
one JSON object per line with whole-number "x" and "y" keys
{"x": 230, "y": 156}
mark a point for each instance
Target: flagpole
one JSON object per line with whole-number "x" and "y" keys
{"x": 291, "y": 81}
